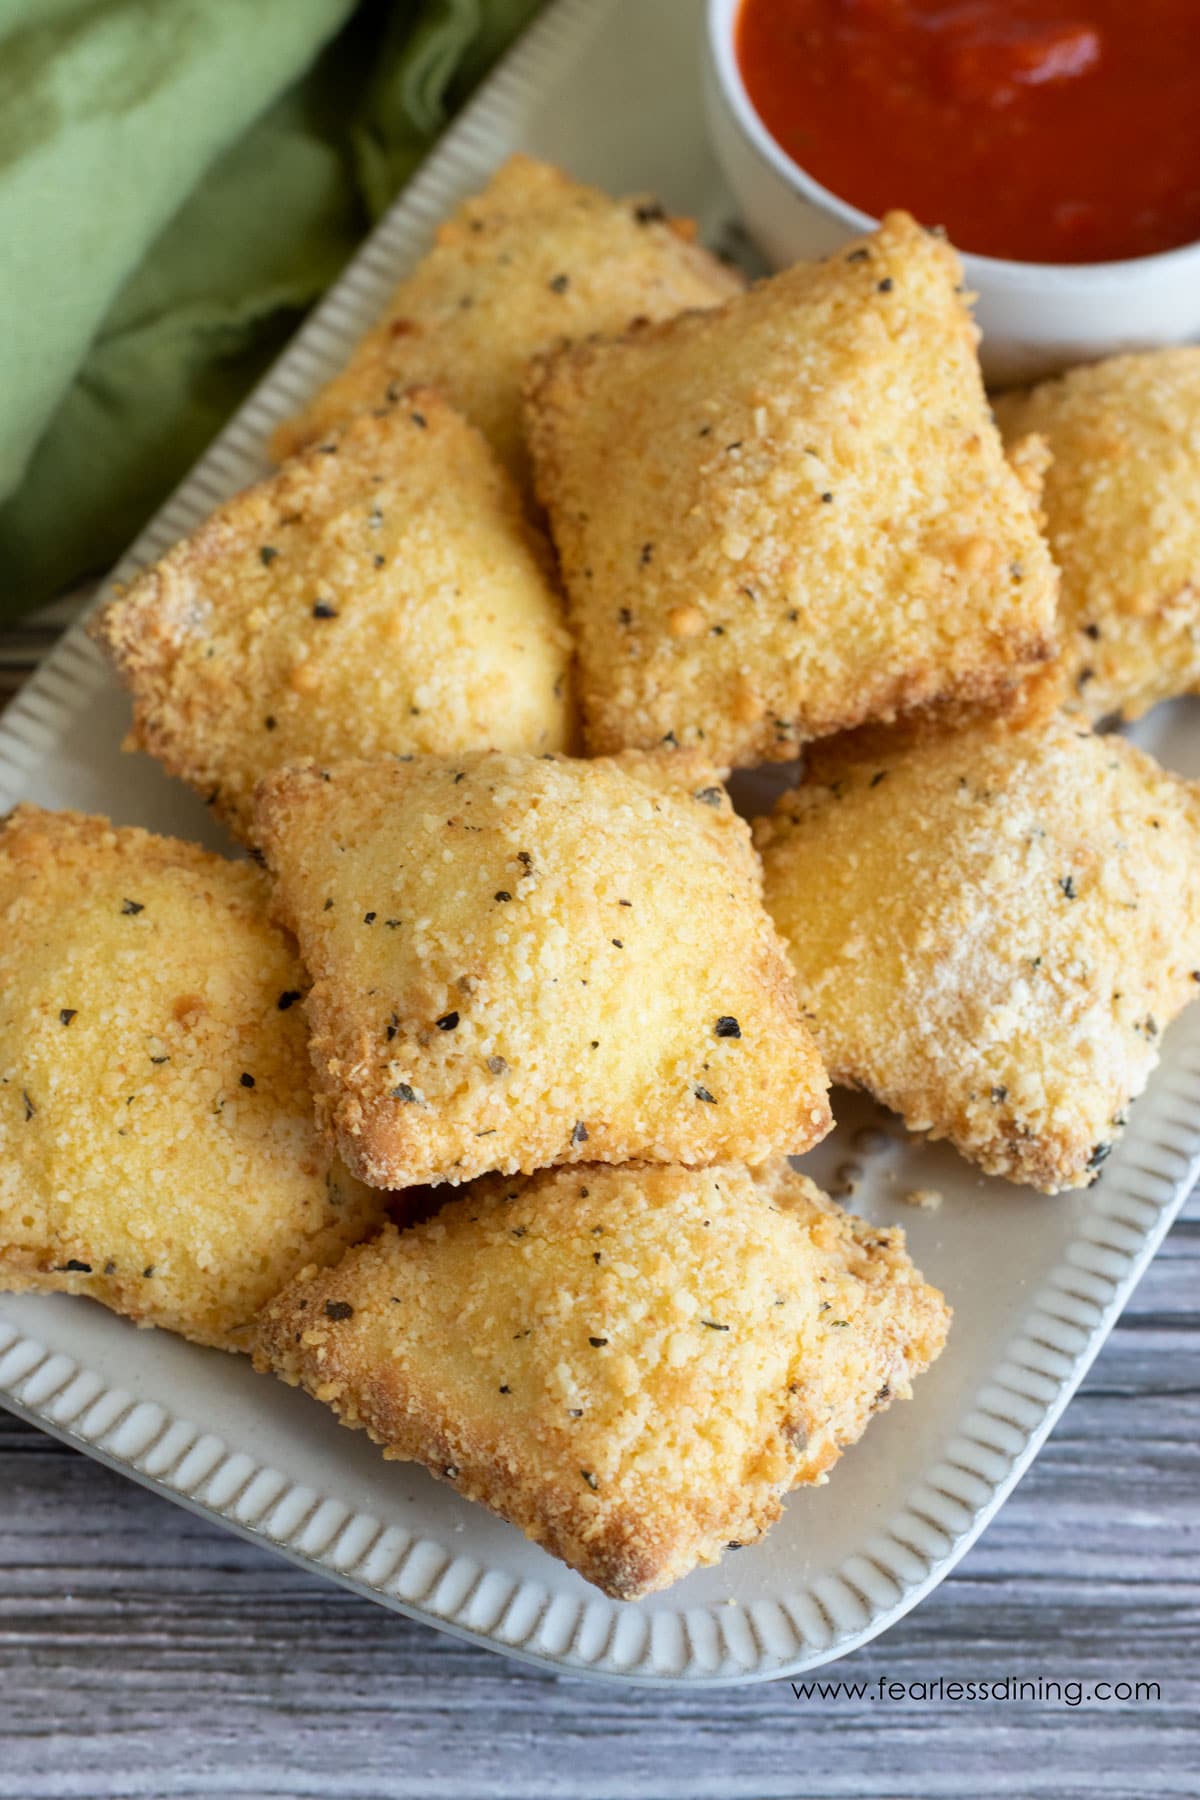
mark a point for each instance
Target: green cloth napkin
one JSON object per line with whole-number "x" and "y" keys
{"x": 179, "y": 181}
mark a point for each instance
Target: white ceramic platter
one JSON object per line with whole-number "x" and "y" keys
{"x": 611, "y": 89}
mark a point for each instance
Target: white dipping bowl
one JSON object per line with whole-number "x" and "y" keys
{"x": 1037, "y": 318}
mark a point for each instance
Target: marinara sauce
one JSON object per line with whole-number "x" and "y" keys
{"x": 1060, "y": 131}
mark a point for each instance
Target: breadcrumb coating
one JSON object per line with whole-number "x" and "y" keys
{"x": 533, "y": 259}
{"x": 523, "y": 961}
{"x": 1122, "y": 503}
{"x": 381, "y": 592}
{"x": 793, "y": 514}
{"x": 632, "y": 1365}
{"x": 158, "y": 1150}
{"x": 990, "y": 932}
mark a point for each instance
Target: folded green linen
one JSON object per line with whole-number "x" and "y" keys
{"x": 179, "y": 180}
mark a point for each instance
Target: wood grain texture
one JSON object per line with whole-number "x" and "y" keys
{"x": 147, "y": 1655}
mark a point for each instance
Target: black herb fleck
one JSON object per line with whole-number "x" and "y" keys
{"x": 267, "y": 555}
{"x": 711, "y": 796}
{"x": 148, "y": 1272}
{"x": 999, "y": 1095}
{"x": 617, "y": 944}
{"x": 1092, "y": 631}
{"x": 323, "y": 609}
{"x": 579, "y": 1132}
{"x": 859, "y": 255}
{"x": 247, "y": 1081}
{"x": 727, "y": 1026}
{"x": 288, "y": 999}
{"x": 269, "y": 722}
{"x": 110, "y": 1267}
{"x": 876, "y": 779}
{"x": 67, "y": 1014}
{"x": 497, "y": 1065}
{"x": 559, "y": 284}
{"x": 590, "y": 1479}
{"x": 649, "y": 212}
{"x": 702, "y": 1093}
{"x": 448, "y": 1021}
{"x": 597, "y": 1343}
{"x": 502, "y": 894}
{"x": 402, "y": 1091}
{"x": 392, "y": 1027}
{"x": 132, "y": 907}
{"x": 1100, "y": 1154}
{"x": 451, "y": 1471}
{"x": 885, "y": 286}
{"x": 827, "y": 498}
{"x": 338, "y": 1309}
{"x": 160, "y": 1059}
{"x": 574, "y": 1412}
{"x": 713, "y": 1325}
{"x": 1067, "y": 884}
{"x": 73, "y": 1266}
{"x": 30, "y": 1108}
{"x": 328, "y": 906}
{"x": 647, "y": 554}
{"x": 504, "y": 1388}
{"x": 419, "y": 420}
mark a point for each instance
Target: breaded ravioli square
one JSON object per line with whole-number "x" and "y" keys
{"x": 158, "y": 1149}
{"x": 522, "y": 961}
{"x": 991, "y": 930}
{"x": 1122, "y": 506}
{"x": 631, "y": 1365}
{"x": 381, "y": 592}
{"x": 533, "y": 259}
{"x": 792, "y": 514}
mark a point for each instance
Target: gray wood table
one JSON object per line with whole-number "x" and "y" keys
{"x": 145, "y": 1653}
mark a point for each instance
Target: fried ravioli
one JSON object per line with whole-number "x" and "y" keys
{"x": 524, "y": 961}
{"x": 533, "y": 259}
{"x": 1122, "y": 504}
{"x": 158, "y": 1149}
{"x": 382, "y": 592}
{"x": 631, "y": 1365}
{"x": 790, "y": 515}
{"x": 991, "y": 930}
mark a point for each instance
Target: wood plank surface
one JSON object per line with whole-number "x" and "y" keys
{"x": 147, "y": 1655}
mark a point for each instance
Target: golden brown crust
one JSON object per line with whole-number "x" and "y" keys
{"x": 1122, "y": 503}
{"x": 524, "y": 961}
{"x": 157, "y": 1144}
{"x": 632, "y": 1365}
{"x": 990, "y": 931}
{"x": 533, "y": 259}
{"x": 382, "y": 592}
{"x": 792, "y": 514}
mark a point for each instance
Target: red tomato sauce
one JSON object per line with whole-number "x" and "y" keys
{"x": 1061, "y": 131}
